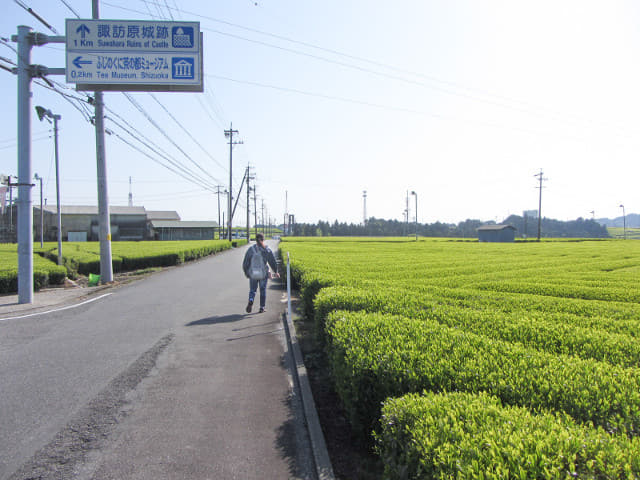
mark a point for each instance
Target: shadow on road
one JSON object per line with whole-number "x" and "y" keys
{"x": 216, "y": 319}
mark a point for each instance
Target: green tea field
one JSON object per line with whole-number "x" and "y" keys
{"x": 84, "y": 258}
{"x": 476, "y": 360}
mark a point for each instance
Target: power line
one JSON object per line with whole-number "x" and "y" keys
{"x": 34, "y": 14}
{"x": 185, "y": 130}
{"x": 154, "y": 123}
{"x": 69, "y": 7}
{"x": 467, "y": 92}
{"x": 177, "y": 172}
{"x": 178, "y": 167}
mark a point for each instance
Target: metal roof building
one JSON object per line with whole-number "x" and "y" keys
{"x": 496, "y": 233}
{"x": 179, "y": 230}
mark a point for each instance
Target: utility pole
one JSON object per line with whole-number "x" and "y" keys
{"x": 27, "y": 39}
{"x": 416, "y": 195}
{"x": 255, "y": 211}
{"x": 48, "y": 114}
{"x": 264, "y": 231}
{"x": 218, "y": 192}
{"x": 25, "y": 209}
{"x": 104, "y": 218}
{"x": 249, "y": 177}
{"x": 229, "y": 134}
{"x": 38, "y": 177}
{"x": 540, "y": 179}
{"x": 406, "y": 215}
{"x": 364, "y": 209}
{"x": 10, "y": 186}
{"x": 286, "y": 211}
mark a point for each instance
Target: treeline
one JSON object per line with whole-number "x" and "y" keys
{"x": 377, "y": 227}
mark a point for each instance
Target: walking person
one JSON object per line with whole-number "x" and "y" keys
{"x": 256, "y": 268}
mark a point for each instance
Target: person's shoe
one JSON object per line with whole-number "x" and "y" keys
{"x": 249, "y": 306}
{"x": 262, "y": 310}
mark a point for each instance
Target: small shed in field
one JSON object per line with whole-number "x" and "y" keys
{"x": 496, "y": 233}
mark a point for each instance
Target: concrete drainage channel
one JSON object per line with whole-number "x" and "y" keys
{"x": 322, "y": 462}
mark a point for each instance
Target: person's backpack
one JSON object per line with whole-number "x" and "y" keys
{"x": 257, "y": 267}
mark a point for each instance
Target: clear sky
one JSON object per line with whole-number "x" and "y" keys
{"x": 461, "y": 101}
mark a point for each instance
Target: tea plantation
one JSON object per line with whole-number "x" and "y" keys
{"x": 473, "y": 360}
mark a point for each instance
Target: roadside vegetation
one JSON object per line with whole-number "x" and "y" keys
{"x": 83, "y": 258}
{"x": 455, "y": 359}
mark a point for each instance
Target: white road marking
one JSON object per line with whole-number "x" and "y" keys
{"x": 57, "y": 309}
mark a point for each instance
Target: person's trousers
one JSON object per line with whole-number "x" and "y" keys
{"x": 253, "y": 286}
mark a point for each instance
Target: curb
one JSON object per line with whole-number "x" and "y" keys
{"x": 321, "y": 460}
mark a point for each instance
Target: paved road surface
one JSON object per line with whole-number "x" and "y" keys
{"x": 166, "y": 377}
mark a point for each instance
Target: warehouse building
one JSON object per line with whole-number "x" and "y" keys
{"x": 496, "y": 233}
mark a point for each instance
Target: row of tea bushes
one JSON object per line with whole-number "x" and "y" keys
{"x": 472, "y": 436}
{"x": 374, "y": 356}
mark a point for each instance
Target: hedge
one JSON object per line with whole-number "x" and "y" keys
{"x": 473, "y": 436}
{"x": 374, "y": 356}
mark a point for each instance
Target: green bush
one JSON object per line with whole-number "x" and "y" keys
{"x": 540, "y": 330}
{"x": 472, "y": 436}
{"x": 376, "y": 356}
{"x": 45, "y": 272}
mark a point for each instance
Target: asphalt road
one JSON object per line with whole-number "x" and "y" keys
{"x": 166, "y": 377}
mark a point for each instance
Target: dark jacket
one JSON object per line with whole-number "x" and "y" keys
{"x": 267, "y": 257}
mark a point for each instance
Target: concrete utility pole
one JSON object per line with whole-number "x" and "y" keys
{"x": 38, "y": 177}
{"x": 25, "y": 207}
{"x": 26, "y": 39}
{"x": 539, "y": 175}
{"x": 364, "y": 207}
{"x": 229, "y": 134}
{"x": 249, "y": 177}
{"x": 44, "y": 113}
{"x": 255, "y": 211}
{"x": 416, "y": 195}
{"x": 104, "y": 218}
{"x": 218, "y": 192}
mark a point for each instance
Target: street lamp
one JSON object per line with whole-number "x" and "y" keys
{"x": 37, "y": 177}
{"x": 42, "y": 114}
{"x": 416, "y": 195}
{"x": 624, "y": 221}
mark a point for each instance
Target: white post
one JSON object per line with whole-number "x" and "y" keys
{"x": 288, "y": 288}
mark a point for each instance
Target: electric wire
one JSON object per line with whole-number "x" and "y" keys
{"x": 35, "y": 15}
{"x": 206, "y": 110}
{"x": 154, "y": 159}
{"x": 155, "y": 124}
{"x": 495, "y": 100}
{"x": 69, "y": 7}
{"x": 76, "y": 101}
{"x": 166, "y": 110}
{"x": 177, "y": 165}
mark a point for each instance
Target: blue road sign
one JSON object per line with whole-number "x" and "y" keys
{"x": 134, "y": 54}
